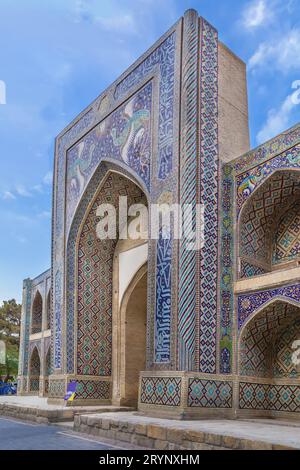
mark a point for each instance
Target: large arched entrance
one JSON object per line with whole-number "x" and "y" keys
{"x": 91, "y": 270}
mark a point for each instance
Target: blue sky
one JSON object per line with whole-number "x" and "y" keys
{"x": 57, "y": 56}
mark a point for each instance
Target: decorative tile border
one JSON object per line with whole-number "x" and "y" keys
{"x": 249, "y": 303}
{"x": 57, "y": 388}
{"x": 161, "y": 64}
{"x": 161, "y": 391}
{"x": 226, "y": 269}
{"x": 210, "y": 393}
{"x": 93, "y": 390}
{"x": 269, "y": 397}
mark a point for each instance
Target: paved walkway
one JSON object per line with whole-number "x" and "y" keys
{"x": 17, "y": 435}
{"x": 41, "y": 403}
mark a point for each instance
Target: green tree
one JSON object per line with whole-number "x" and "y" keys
{"x": 10, "y": 321}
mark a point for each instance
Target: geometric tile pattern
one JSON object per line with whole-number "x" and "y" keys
{"x": 248, "y": 303}
{"x": 283, "y": 365}
{"x": 261, "y": 336}
{"x": 263, "y": 211}
{"x": 286, "y": 245}
{"x": 209, "y": 180}
{"x": 250, "y": 270}
{"x": 226, "y": 269}
{"x": 56, "y": 388}
{"x": 161, "y": 63}
{"x": 34, "y": 371}
{"x": 270, "y": 397}
{"x": 163, "y": 299}
{"x": 161, "y": 391}
{"x": 209, "y": 393}
{"x": 268, "y": 150}
{"x": 92, "y": 390}
{"x": 187, "y": 282}
{"x": 124, "y": 136}
{"x": 95, "y": 266}
{"x": 25, "y": 329}
{"x": 247, "y": 182}
{"x": 37, "y": 314}
{"x": 58, "y": 229}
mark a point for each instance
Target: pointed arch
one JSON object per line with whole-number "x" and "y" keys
{"x": 259, "y": 219}
{"x": 37, "y": 313}
{"x": 108, "y": 183}
{"x": 263, "y": 346}
{"x": 34, "y": 370}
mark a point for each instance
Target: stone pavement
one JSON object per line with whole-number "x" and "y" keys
{"x": 17, "y": 435}
{"x": 33, "y": 408}
{"x": 199, "y": 435}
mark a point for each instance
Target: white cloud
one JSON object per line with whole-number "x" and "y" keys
{"x": 22, "y": 191}
{"x": 8, "y": 195}
{"x": 283, "y": 54}
{"x": 124, "y": 23}
{"x": 115, "y": 22}
{"x": 44, "y": 215}
{"x": 278, "y": 120}
{"x": 256, "y": 13}
{"x": 48, "y": 178}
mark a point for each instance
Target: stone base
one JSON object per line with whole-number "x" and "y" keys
{"x": 164, "y": 434}
{"x": 191, "y": 395}
{"x": 34, "y": 408}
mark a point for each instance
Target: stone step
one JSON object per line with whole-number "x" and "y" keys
{"x": 39, "y": 411}
{"x": 166, "y": 434}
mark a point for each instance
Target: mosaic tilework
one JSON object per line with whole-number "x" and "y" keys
{"x": 248, "y": 303}
{"x": 48, "y": 326}
{"x": 250, "y": 270}
{"x": 226, "y": 268}
{"x": 164, "y": 57}
{"x": 161, "y": 391}
{"x": 124, "y": 136}
{"x": 92, "y": 390}
{"x": 209, "y": 177}
{"x": 34, "y": 384}
{"x": 58, "y": 301}
{"x": 163, "y": 300}
{"x": 25, "y": 328}
{"x": 95, "y": 265}
{"x": 269, "y": 397}
{"x": 35, "y": 368}
{"x": 286, "y": 244}
{"x": 262, "y": 213}
{"x": 209, "y": 393}
{"x": 188, "y": 195}
{"x": 247, "y": 182}
{"x": 283, "y": 364}
{"x": 35, "y": 363}
{"x": 58, "y": 224}
{"x": 57, "y": 388}
{"x": 37, "y": 314}
{"x": 35, "y": 344}
{"x": 160, "y": 62}
{"x": 261, "y": 337}
{"x": 266, "y": 151}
